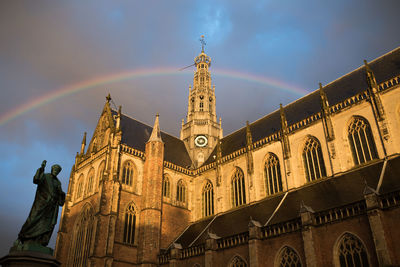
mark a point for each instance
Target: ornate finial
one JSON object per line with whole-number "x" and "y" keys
{"x": 203, "y": 43}
{"x": 108, "y": 98}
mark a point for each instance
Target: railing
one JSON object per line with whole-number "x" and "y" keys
{"x": 192, "y": 251}
{"x": 132, "y": 151}
{"x": 164, "y": 258}
{"x": 336, "y": 214}
{"x": 233, "y": 241}
{"x": 390, "y": 200}
{"x": 281, "y": 228}
{"x": 389, "y": 83}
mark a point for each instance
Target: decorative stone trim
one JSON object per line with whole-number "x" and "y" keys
{"x": 132, "y": 151}
{"x": 233, "y": 241}
{"x": 192, "y": 251}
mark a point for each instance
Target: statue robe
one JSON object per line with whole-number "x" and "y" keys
{"x": 43, "y": 215}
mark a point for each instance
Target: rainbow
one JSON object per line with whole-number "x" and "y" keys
{"x": 133, "y": 74}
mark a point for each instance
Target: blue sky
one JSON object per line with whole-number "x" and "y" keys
{"x": 47, "y": 45}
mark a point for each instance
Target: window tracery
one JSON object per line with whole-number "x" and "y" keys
{"x": 89, "y": 188}
{"x": 166, "y": 186}
{"x": 79, "y": 187}
{"x": 127, "y": 173}
{"x": 237, "y": 262}
{"x": 208, "y": 199}
{"x": 288, "y": 258}
{"x": 181, "y": 192}
{"x": 238, "y": 188}
{"x": 361, "y": 141}
{"x": 313, "y": 160}
{"x": 101, "y": 172}
{"x": 351, "y": 252}
{"x": 273, "y": 174}
{"x": 82, "y": 238}
{"x": 130, "y": 225}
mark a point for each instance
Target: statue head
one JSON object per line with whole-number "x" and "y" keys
{"x": 55, "y": 169}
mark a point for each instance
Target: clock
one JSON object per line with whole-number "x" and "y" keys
{"x": 200, "y": 141}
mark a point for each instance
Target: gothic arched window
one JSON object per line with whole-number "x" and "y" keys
{"x": 351, "y": 252}
{"x": 101, "y": 172}
{"x": 237, "y": 262}
{"x": 238, "y": 188}
{"x": 79, "y": 187}
{"x": 361, "y": 141}
{"x": 130, "y": 224}
{"x": 208, "y": 199}
{"x": 288, "y": 258}
{"x": 181, "y": 192}
{"x": 89, "y": 186}
{"x": 82, "y": 236}
{"x": 273, "y": 176}
{"x": 313, "y": 160}
{"x": 127, "y": 173}
{"x": 166, "y": 186}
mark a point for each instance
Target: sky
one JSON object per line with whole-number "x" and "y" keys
{"x": 59, "y": 59}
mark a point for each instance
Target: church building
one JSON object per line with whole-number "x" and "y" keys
{"x": 314, "y": 183}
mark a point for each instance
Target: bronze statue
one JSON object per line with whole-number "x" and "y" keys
{"x": 42, "y": 218}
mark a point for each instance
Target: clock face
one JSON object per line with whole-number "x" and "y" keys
{"x": 200, "y": 141}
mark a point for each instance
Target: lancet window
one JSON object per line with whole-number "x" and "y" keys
{"x": 273, "y": 175}
{"x": 130, "y": 224}
{"x": 166, "y": 186}
{"x": 208, "y": 199}
{"x": 79, "y": 187}
{"x": 351, "y": 252}
{"x": 101, "y": 172}
{"x": 181, "y": 192}
{"x": 82, "y": 238}
{"x": 313, "y": 161}
{"x": 288, "y": 258}
{"x": 361, "y": 141}
{"x": 89, "y": 188}
{"x": 238, "y": 262}
{"x": 127, "y": 173}
{"x": 238, "y": 188}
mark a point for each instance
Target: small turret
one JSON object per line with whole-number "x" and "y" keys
{"x": 83, "y": 145}
{"x": 284, "y": 133}
{"x": 118, "y": 119}
{"x": 155, "y": 134}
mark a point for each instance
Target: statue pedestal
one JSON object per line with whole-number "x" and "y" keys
{"x": 29, "y": 258}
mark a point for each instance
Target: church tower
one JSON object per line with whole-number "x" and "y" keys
{"x": 201, "y": 131}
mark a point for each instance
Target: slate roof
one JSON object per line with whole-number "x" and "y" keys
{"x": 321, "y": 195}
{"x": 135, "y": 134}
{"x": 384, "y": 68}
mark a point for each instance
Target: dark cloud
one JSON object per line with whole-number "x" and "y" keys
{"x": 47, "y": 45}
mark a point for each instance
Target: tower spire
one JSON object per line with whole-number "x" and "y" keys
{"x": 201, "y": 130}
{"x": 155, "y": 134}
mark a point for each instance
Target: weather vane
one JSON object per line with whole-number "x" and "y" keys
{"x": 203, "y": 43}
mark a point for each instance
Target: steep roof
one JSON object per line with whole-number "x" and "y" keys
{"x": 321, "y": 195}
{"x": 135, "y": 134}
{"x": 384, "y": 68}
